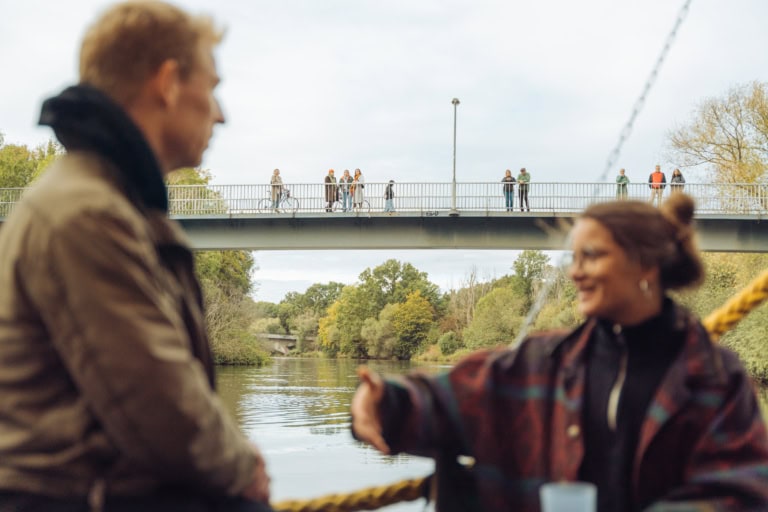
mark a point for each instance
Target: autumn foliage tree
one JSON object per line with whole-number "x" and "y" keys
{"x": 387, "y": 314}
{"x": 411, "y": 321}
{"x": 727, "y": 135}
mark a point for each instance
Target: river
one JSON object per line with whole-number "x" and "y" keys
{"x": 297, "y": 411}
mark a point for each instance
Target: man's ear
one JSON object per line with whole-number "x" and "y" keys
{"x": 166, "y": 82}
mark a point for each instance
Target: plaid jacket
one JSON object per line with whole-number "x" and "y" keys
{"x": 517, "y": 415}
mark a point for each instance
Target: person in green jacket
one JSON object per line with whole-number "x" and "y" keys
{"x": 621, "y": 185}
{"x": 523, "y": 179}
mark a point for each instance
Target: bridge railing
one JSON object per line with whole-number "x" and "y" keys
{"x": 428, "y": 198}
{"x": 8, "y": 198}
{"x": 424, "y": 198}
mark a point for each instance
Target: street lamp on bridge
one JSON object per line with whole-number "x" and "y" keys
{"x": 454, "y": 211}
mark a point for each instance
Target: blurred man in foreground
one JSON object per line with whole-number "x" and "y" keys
{"x": 107, "y": 395}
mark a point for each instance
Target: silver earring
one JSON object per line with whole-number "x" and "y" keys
{"x": 644, "y": 287}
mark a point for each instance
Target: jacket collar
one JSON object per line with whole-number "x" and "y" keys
{"x": 702, "y": 362}
{"x": 164, "y": 231}
{"x": 84, "y": 118}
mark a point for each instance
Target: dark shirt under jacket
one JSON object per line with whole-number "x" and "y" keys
{"x": 608, "y": 454}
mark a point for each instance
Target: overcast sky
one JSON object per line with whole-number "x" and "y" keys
{"x": 310, "y": 85}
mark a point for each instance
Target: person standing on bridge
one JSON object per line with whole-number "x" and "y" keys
{"x": 331, "y": 191}
{"x": 358, "y": 185}
{"x": 344, "y": 184}
{"x": 523, "y": 182}
{"x": 389, "y": 197}
{"x": 107, "y": 386}
{"x": 509, "y": 190}
{"x": 622, "y": 183}
{"x": 676, "y": 182}
{"x": 657, "y": 181}
{"x": 276, "y": 183}
{"x": 638, "y": 400}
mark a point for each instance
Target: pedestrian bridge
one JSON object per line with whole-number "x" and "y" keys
{"x": 730, "y": 217}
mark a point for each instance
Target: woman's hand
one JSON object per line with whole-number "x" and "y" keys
{"x": 366, "y": 422}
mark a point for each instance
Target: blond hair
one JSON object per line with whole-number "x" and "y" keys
{"x": 131, "y": 40}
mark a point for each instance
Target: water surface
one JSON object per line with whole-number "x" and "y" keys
{"x": 297, "y": 411}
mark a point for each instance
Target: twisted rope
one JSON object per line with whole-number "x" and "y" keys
{"x": 370, "y": 498}
{"x": 726, "y": 316}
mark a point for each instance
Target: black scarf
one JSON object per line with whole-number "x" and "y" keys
{"x": 84, "y": 118}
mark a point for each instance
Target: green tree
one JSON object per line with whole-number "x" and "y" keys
{"x": 191, "y": 193}
{"x": 231, "y": 269}
{"x": 379, "y": 334}
{"x": 497, "y": 319}
{"x": 392, "y": 282}
{"x": 288, "y": 309}
{"x": 264, "y": 309}
{"x": 313, "y": 302}
{"x": 530, "y": 268}
{"x": 411, "y": 321}
{"x": 189, "y": 176}
{"x": 389, "y": 283}
{"x": 226, "y": 281}
{"x": 449, "y": 343}
{"x": 319, "y": 297}
{"x": 353, "y": 310}
{"x": 19, "y": 167}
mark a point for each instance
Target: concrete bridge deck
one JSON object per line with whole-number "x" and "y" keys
{"x": 730, "y": 217}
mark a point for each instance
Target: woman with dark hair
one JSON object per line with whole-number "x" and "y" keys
{"x": 677, "y": 182}
{"x": 637, "y": 400}
{"x": 509, "y": 190}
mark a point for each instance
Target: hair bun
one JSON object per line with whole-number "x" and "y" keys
{"x": 679, "y": 208}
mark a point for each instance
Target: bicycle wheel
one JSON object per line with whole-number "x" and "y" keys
{"x": 289, "y": 204}
{"x": 265, "y": 206}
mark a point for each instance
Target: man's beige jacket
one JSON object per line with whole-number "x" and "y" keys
{"x": 105, "y": 367}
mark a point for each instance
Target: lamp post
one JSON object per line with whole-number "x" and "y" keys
{"x": 454, "y": 211}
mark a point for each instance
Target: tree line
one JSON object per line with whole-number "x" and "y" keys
{"x": 393, "y": 311}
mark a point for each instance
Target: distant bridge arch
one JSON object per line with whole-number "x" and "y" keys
{"x": 280, "y": 343}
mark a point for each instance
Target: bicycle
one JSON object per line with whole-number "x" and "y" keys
{"x": 285, "y": 203}
{"x": 365, "y": 207}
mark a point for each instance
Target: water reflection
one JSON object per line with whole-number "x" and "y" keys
{"x": 297, "y": 410}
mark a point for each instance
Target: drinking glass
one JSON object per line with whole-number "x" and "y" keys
{"x": 568, "y": 497}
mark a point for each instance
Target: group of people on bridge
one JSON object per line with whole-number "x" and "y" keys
{"x": 657, "y": 182}
{"x": 108, "y": 397}
{"x": 349, "y": 190}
